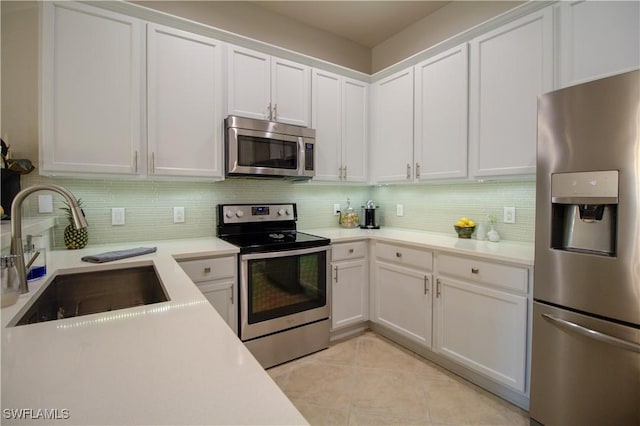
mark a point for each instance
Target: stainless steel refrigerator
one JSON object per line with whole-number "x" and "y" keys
{"x": 586, "y": 311}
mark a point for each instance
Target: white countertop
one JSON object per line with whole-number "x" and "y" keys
{"x": 504, "y": 251}
{"x": 175, "y": 362}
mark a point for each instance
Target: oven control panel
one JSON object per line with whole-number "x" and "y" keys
{"x": 247, "y": 213}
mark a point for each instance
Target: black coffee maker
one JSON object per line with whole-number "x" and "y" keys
{"x": 368, "y": 218}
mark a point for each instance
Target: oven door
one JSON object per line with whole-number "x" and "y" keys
{"x": 282, "y": 290}
{"x": 251, "y": 152}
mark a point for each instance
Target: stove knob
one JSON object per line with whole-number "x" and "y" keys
{"x": 287, "y": 212}
{"x": 229, "y": 214}
{"x": 282, "y": 212}
{"x": 239, "y": 213}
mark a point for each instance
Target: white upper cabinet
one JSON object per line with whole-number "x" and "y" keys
{"x": 597, "y": 39}
{"x": 339, "y": 116}
{"x": 268, "y": 88}
{"x": 185, "y": 101}
{"x": 510, "y": 67}
{"x": 91, "y": 71}
{"x": 392, "y": 128}
{"x": 441, "y": 104}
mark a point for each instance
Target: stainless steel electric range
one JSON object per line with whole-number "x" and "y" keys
{"x": 283, "y": 281}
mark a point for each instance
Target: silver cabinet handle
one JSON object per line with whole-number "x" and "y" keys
{"x": 345, "y": 172}
{"x": 269, "y": 111}
{"x": 336, "y": 276}
{"x": 596, "y": 335}
{"x": 426, "y": 285}
{"x": 475, "y": 270}
{"x": 408, "y": 171}
{"x": 438, "y": 287}
{"x": 232, "y": 295}
{"x": 417, "y": 170}
{"x": 135, "y": 161}
{"x": 275, "y": 112}
{"x": 153, "y": 162}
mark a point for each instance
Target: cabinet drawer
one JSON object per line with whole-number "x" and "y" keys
{"x": 210, "y": 269}
{"x": 421, "y": 259}
{"x": 505, "y": 276}
{"x": 346, "y": 251}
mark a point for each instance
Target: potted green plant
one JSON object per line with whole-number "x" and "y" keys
{"x": 74, "y": 238}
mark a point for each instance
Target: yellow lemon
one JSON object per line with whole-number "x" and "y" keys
{"x": 471, "y": 223}
{"x": 461, "y": 224}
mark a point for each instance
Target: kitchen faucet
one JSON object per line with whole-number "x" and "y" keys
{"x": 16, "y": 224}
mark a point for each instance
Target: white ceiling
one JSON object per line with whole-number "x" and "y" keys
{"x": 367, "y": 23}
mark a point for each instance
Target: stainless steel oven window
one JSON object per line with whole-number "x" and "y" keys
{"x": 286, "y": 285}
{"x": 296, "y": 285}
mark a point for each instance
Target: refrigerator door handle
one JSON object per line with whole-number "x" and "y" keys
{"x": 605, "y": 338}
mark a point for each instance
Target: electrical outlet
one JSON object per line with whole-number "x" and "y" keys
{"x": 509, "y": 215}
{"x": 336, "y": 209}
{"x": 178, "y": 215}
{"x": 117, "y": 216}
{"x": 399, "y": 210}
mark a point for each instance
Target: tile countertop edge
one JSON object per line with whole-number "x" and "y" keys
{"x": 515, "y": 252}
{"x": 174, "y": 362}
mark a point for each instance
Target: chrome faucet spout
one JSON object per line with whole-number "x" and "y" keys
{"x": 16, "y": 224}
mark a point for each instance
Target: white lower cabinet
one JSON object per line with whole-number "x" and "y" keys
{"x": 402, "y": 298}
{"x": 217, "y": 280}
{"x": 350, "y": 284}
{"x": 480, "y": 324}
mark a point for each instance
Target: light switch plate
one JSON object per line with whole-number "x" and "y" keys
{"x": 336, "y": 209}
{"x": 178, "y": 215}
{"x": 509, "y": 215}
{"x": 117, "y": 216}
{"x": 45, "y": 204}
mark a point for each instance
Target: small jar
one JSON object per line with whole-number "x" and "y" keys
{"x": 10, "y": 280}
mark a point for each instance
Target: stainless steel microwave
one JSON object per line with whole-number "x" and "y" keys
{"x": 268, "y": 149}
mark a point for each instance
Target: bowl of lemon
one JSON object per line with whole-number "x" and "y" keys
{"x": 464, "y": 227}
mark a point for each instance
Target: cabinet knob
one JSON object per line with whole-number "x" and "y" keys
{"x": 475, "y": 270}
{"x": 207, "y": 270}
{"x": 351, "y": 251}
{"x": 398, "y": 254}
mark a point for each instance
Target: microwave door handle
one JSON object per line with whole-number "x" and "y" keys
{"x": 301, "y": 156}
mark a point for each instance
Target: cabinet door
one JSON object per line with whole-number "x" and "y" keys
{"x": 222, "y": 298}
{"x": 354, "y": 130}
{"x": 326, "y": 95}
{"x": 184, "y": 89}
{"x": 349, "y": 293}
{"x": 597, "y": 39}
{"x": 403, "y": 301}
{"x": 392, "y": 128}
{"x": 91, "y": 85}
{"x": 483, "y": 329}
{"x": 249, "y": 83}
{"x": 441, "y": 103}
{"x": 290, "y": 92}
{"x": 510, "y": 67}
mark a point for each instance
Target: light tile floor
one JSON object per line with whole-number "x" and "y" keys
{"x": 368, "y": 380}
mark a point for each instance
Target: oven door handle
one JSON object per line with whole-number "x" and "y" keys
{"x": 284, "y": 253}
